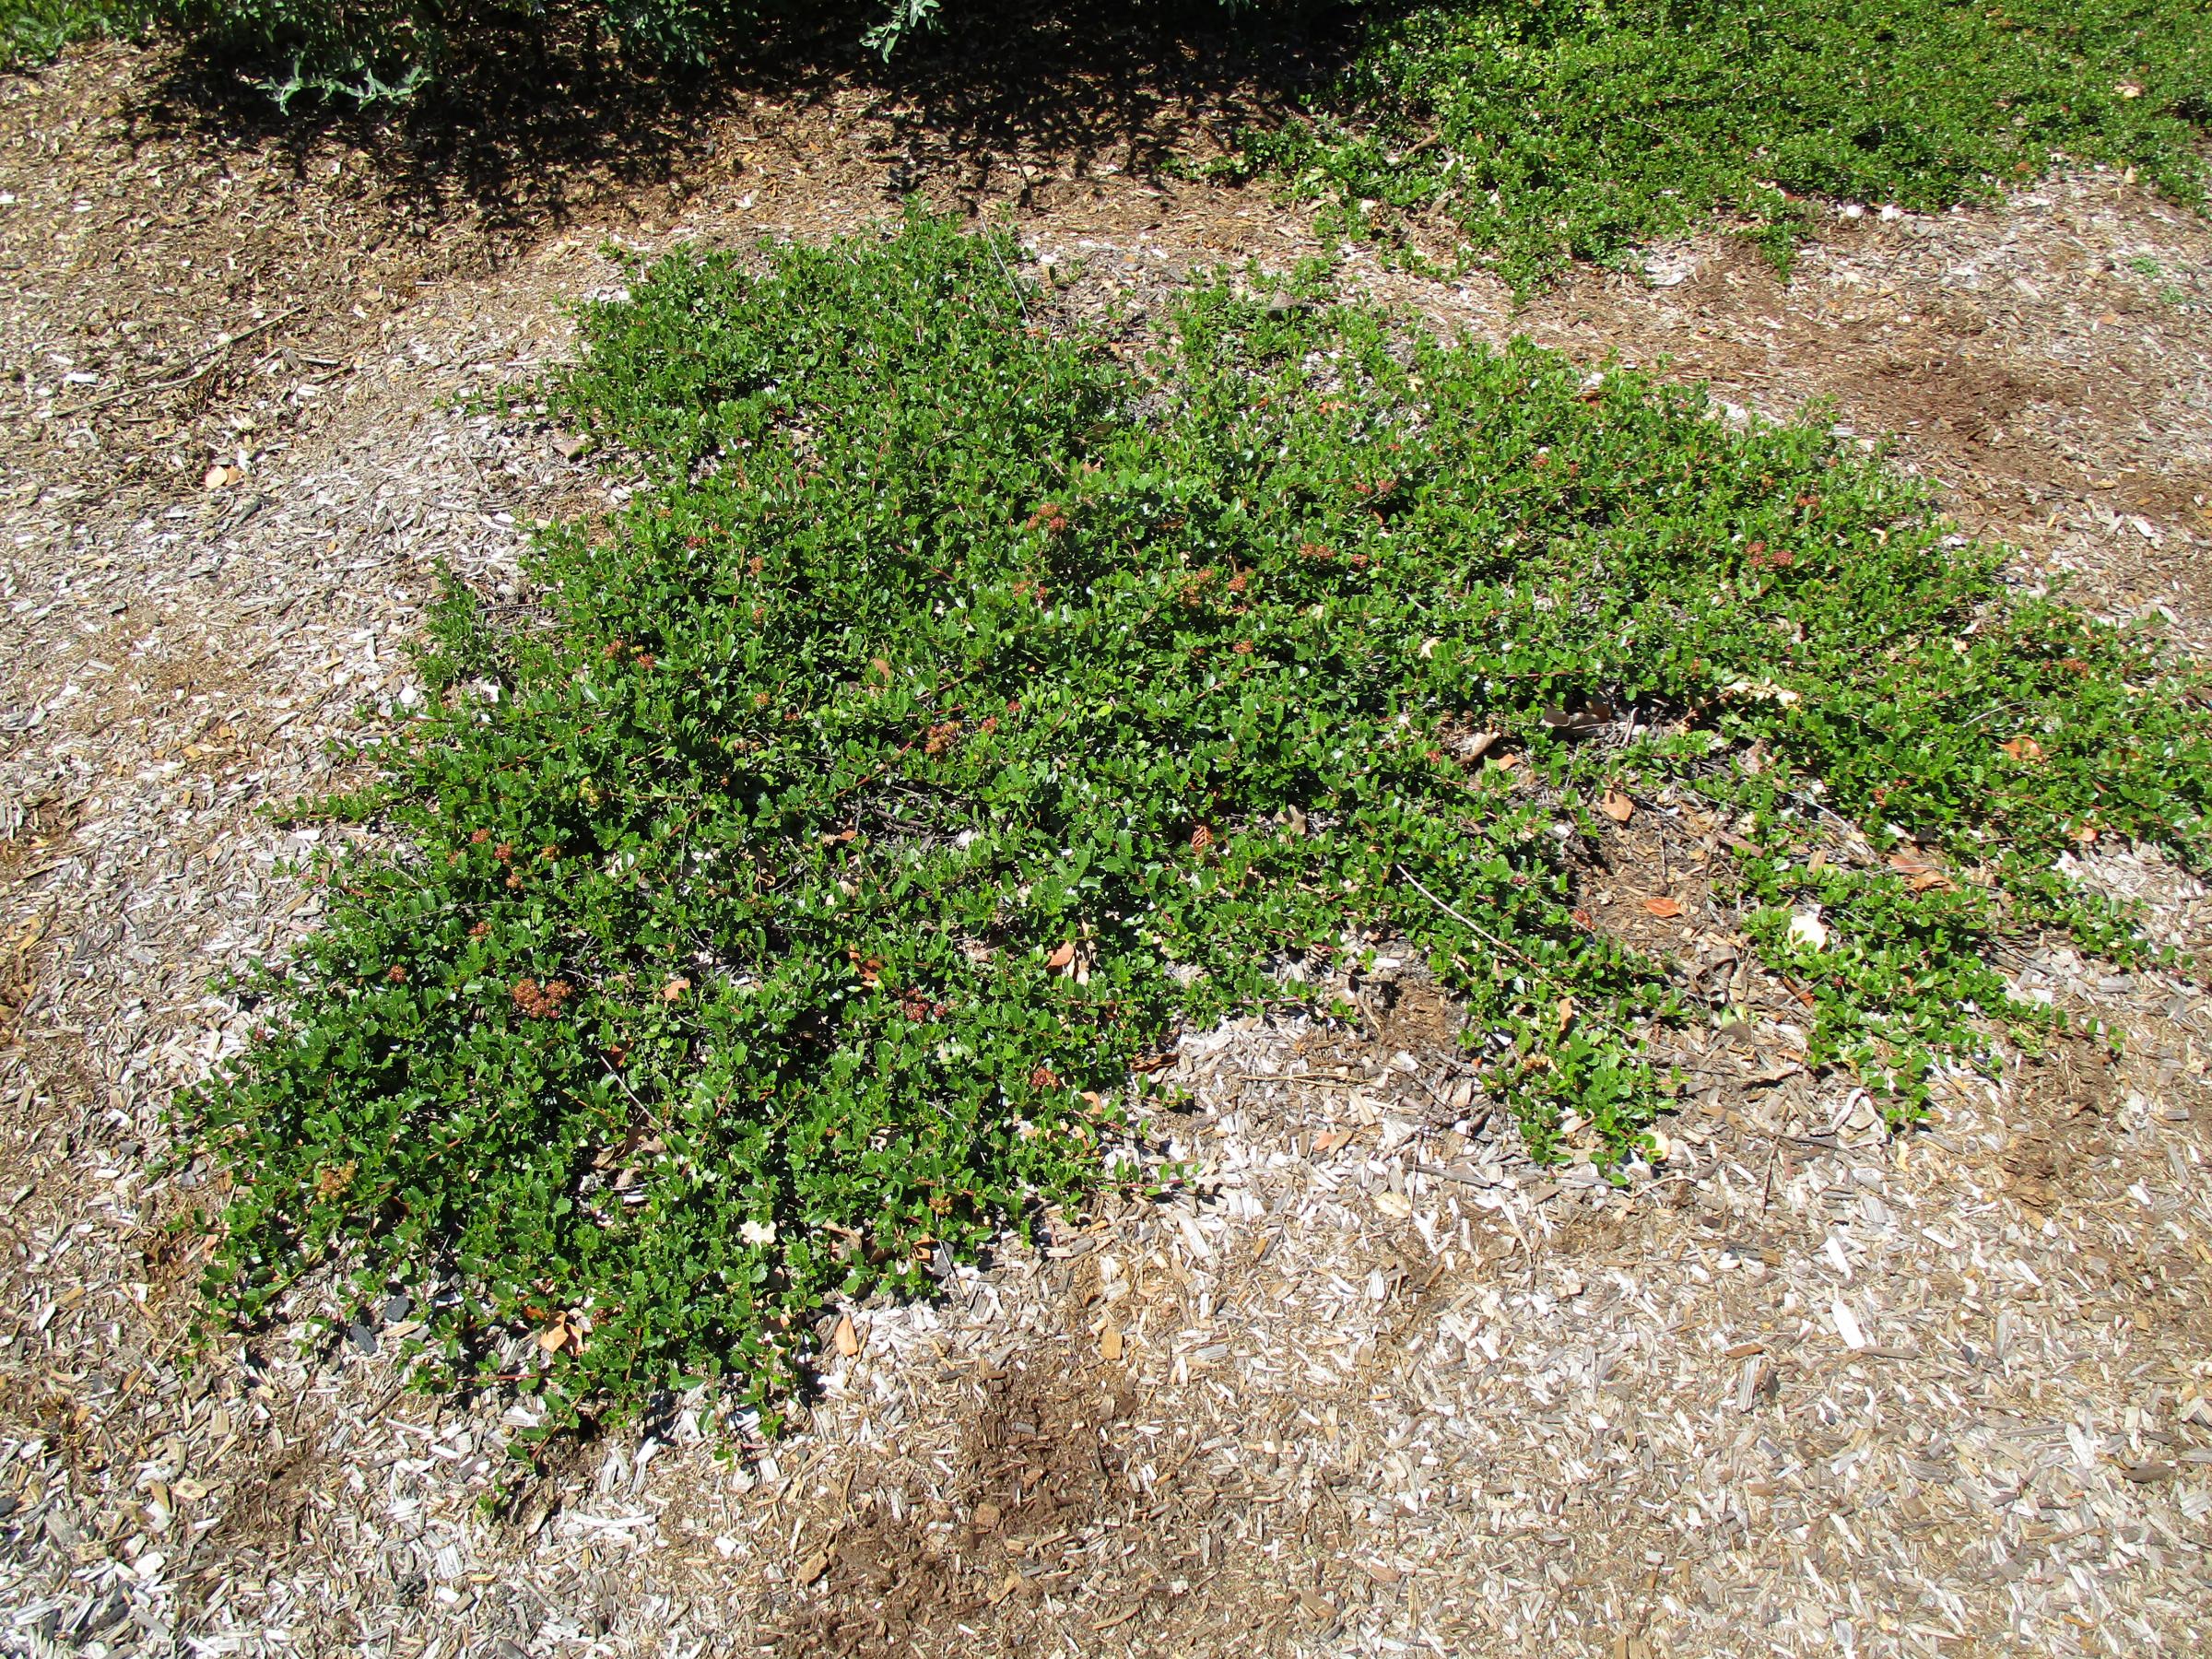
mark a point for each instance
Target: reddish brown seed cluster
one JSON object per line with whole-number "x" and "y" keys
{"x": 1045, "y": 1077}
{"x": 333, "y": 1179}
{"x": 941, "y": 737}
{"x": 534, "y": 1001}
{"x": 1763, "y": 557}
{"x": 1051, "y": 518}
{"x": 919, "y": 1008}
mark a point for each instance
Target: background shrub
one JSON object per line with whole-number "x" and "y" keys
{"x": 369, "y": 50}
{"x": 1547, "y": 131}
{"x": 33, "y": 30}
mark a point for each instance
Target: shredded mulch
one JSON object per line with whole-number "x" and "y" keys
{"x": 1370, "y": 1383}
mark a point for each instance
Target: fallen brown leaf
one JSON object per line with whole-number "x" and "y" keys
{"x": 2024, "y": 748}
{"x": 1061, "y": 958}
{"x": 845, "y": 1339}
{"x": 1922, "y": 873}
{"x": 1666, "y": 908}
{"x": 1616, "y": 807}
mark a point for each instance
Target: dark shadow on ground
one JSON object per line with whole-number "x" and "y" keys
{"x": 531, "y": 124}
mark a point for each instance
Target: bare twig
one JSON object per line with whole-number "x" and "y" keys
{"x": 992, "y": 242}
{"x": 207, "y": 359}
{"x": 1479, "y": 930}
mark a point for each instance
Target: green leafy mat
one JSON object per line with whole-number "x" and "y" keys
{"x": 968, "y": 703}
{"x": 1547, "y": 131}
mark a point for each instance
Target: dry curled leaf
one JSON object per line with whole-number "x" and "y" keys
{"x": 1616, "y": 807}
{"x": 1060, "y": 958}
{"x": 1666, "y": 908}
{"x": 2023, "y": 748}
{"x": 1922, "y": 871}
{"x": 1762, "y": 690}
{"x": 846, "y": 1338}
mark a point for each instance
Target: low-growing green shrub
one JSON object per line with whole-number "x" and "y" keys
{"x": 1545, "y": 131}
{"x": 965, "y": 703}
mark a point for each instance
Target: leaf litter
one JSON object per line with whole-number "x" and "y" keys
{"x": 2010, "y": 1457}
